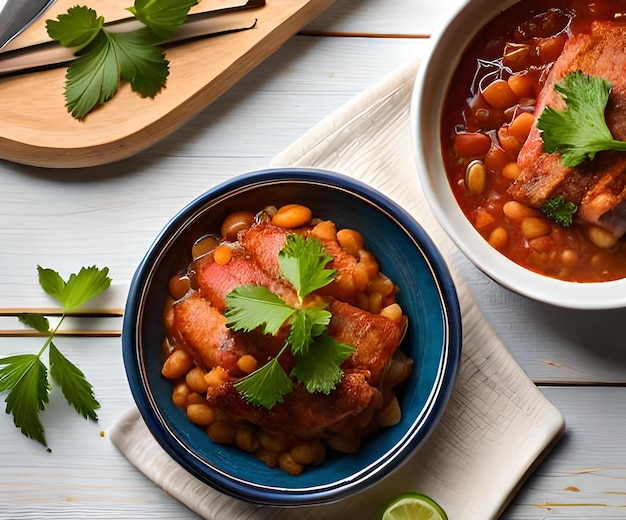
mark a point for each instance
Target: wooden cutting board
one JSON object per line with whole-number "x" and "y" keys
{"x": 36, "y": 129}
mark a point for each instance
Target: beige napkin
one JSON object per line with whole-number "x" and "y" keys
{"x": 497, "y": 425}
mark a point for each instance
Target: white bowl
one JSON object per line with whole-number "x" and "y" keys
{"x": 436, "y": 70}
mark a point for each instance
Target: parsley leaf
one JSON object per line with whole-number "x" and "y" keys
{"x": 252, "y": 306}
{"x": 559, "y": 210}
{"x": 77, "y": 390}
{"x": 266, "y": 386}
{"x": 317, "y": 356}
{"x": 302, "y": 261}
{"x": 319, "y": 369}
{"x": 25, "y": 376}
{"x": 580, "y": 131}
{"x": 306, "y": 325}
{"x": 105, "y": 57}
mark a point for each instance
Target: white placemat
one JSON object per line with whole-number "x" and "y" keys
{"x": 497, "y": 426}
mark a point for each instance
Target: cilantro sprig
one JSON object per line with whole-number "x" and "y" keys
{"x": 105, "y": 57}
{"x": 317, "y": 355}
{"x": 579, "y": 132}
{"x": 25, "y": 376}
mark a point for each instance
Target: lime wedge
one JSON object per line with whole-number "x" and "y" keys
{"x": 414, "y": 506}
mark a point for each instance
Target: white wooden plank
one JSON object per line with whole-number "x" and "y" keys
{"x": 109, "y": 215}
{"x": 409, "y": 17}
{"x": 585, "y": 475}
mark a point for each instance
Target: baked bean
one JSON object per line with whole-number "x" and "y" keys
{"x": 351, "y": 241}
{"x": 498, "y": 238}
{"x": 273, "y": 440}
{"x": 511, "y": 171}
{"x": 179, "y": 285}
{"x": 517, "y": 212}
{"x": 247, "y": 364}
{"x": 569, "y": 257}
{"x": 223, "y": 432}
{"x": 601, "y": 237}
{"x": 375, "y": 303}
{"x": 269, "y": 457}
{"x": 245, "y": 438}
{"x": 308, "y": 452}
{"x": 499, "y": 94}
{"x": 324, "y": 231}
{"x": 196, "y": 398}
{"x": 523, "y": 85}
{"x": 391, "y": 414}
{"x": 399, "y": 369}
{"x": 180, "y": 394}
{"x": 292, "y": 216}
{"x": 521, "y": 125}
{"x": 200, "y": 414}
{"x": 380, "y": 284}
{"x": 177, "y": 364}
{"x": 362, "y": 301}
{"x": 533, "y": 227}
{"x": 236, "y": 222}
{"x": 368, "y": 260}
{"x": 393, "y": 312}
{"x": 345, "y": 282}
{"x": 222, "y": 254}
{"x": 286, "y": 463}
{"x": 204, "y": 245}
{"x": 496, "y": 159}
{"x": 509, "y": 143}
{"x": 196, "y": 381}
{"x": 476, "y": 177}
{"x": 360, "y": 276}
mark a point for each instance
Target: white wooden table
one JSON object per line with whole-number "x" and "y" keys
{"x": 109, "y": 215}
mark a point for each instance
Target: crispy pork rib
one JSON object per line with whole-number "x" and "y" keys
{"x": 598, "y": 187}
{"x": 302, "y": 413}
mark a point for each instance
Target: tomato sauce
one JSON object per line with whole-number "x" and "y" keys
{"x": 489, "y": 110}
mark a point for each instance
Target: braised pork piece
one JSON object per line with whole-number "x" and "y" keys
{"x": 212, "y": 357}
{"x": 598, "y": 187}
{"x": 497, "y": 167}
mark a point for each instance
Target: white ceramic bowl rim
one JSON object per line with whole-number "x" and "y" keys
{"x": 430, "y": 88}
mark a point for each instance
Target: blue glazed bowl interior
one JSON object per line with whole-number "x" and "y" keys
{"x": 406, "y": 255}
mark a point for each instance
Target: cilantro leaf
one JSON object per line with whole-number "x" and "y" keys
{"x": 580, "y": 131}
{"x": 266, "y": 386}
{"x": 318, "y": 356}
{"x": 307, "y": 324}
{"x": 319, "y": 369}
{"x": 77, "y": 390}
{"x": 252, "y": 306}
{"x": 79, "y": 288}
{"x": 559, "y": 210}
{"x": 162, "y": 17}
{"x": 303, "y": 261}
{"x": 35, "y": 321}
{"x": 77, "y": 28}
{"x": 25, "y": 376}
{"x": 28, "y": 394}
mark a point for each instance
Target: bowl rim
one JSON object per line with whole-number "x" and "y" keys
{"x": 435, "y": 70}
{"x": 418, "y": 430}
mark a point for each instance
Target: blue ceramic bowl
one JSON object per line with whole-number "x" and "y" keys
{"x": 427, "y": 296}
